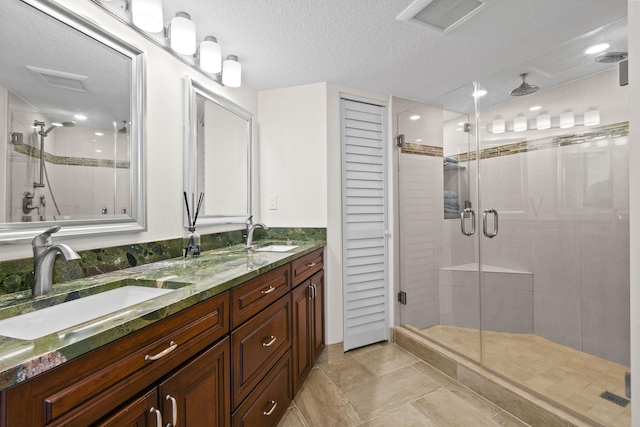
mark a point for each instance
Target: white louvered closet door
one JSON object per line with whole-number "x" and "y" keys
{"x": 364, "y": 223}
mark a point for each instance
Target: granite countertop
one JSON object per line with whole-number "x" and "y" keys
{"x": 192, "y": 280}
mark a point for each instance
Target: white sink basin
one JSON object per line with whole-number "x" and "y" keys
{"x": 277, "y": 248}
{"x": 56, "y": 318}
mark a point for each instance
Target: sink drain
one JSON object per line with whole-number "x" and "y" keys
{"x": 618, "y": 400}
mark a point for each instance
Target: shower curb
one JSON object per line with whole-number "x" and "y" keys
{"x": 526, "y": 405}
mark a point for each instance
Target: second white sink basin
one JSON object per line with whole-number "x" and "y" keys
{"x": 36, "y": 324}
{"x": 277, "y": 248}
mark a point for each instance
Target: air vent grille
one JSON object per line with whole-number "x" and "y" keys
{"x": 443, "y": 15}
{"x": 61, "y": 79}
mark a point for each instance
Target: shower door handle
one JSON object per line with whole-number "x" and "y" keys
{"x": 463, "y": 227}
{"x": 485, "y": 214}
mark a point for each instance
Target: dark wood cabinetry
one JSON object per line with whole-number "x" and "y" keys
{"x": 236, "y": 358}
{"x": 308, "y": 316}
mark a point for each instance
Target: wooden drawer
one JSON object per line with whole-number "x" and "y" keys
{"x": 302, "y": 268}
{"x": 252, "y": 297}
{"x": 271, "y": 398}
{"x": 257, "y": 345}
{"x": 117, "y": 370}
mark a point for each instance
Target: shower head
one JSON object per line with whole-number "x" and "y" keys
{"x": 525, "y": 88}
{"x": 611, "y": 57}
{"x": 54, "y": 125}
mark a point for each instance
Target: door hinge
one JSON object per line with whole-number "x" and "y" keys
{"x": 400, "y": 140}
{"x": 627, "y": 384}
{"x": 402, "y": 297}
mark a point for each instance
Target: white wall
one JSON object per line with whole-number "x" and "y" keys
{"x": 164, "y": 138}
{"x": 634, "y": 201}
{"x": 293, "y": 157}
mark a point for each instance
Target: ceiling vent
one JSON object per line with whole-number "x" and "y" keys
{"x": 442, "y": 15}
{"x": 61, "y": 79}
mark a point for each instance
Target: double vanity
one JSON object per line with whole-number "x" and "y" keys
{"x": 223, "y": 339}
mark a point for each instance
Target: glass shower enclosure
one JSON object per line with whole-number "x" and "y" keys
{"x": 532, "y": 234}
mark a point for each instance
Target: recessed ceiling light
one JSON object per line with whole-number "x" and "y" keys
{"x": 461, "y": 123}
{"x": 99, "y": 134}
{"x": 80, "y": 117}
{"x": 419, "y": 140}
{"x": 535, "y": 108}
{"x": 98, "y": 151}
{"x": 56, "y": 124}
{"x": 414, "y": 117}
{"x": 479, "y": 93}
{"x": 597, "y": 48}
{"x": 460, "y": 129}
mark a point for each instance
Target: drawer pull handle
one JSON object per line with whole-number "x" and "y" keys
{"x": 271, "y": 339}
{"x": 311, "y": 264}
{"x": 268, "y": 291}
{"x": 172, "y": 346}
{"x": 174, "y": 410}
{"x": 274, "y": 404}
{"x": 158, "y": 416}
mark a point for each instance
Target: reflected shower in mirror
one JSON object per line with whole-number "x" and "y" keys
{"x": 218, "y": 156}
{"x": 71, "y": 108}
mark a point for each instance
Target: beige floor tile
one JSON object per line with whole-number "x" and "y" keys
{"x": 332, "y": 353}
{"x": 385, "y": 393}
{"x": 386, "y": 359}
{"x": 321, "y": 403}
{"x": 505, "y": 419}
{"x": 292, "y": 418}
{"x": 446, "y": 410}
{"x": 404, "y": 416}
{"x": 346, "y": 372}
{"x": 457, "y": 389}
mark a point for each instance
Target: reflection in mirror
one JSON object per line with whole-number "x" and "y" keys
{"x": 218, "y": 156}
{"x": 71, "y": 102}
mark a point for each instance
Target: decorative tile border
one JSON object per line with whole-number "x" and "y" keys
{"x": 610, "y": 131}
{"x": 69, "y": 161}
{"x": 421, "y": 150}
{"x": 17, "y": 275}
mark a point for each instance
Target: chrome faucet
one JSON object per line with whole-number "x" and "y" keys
{"x": 44, "y": 255}
{"x": 251, "y": 228}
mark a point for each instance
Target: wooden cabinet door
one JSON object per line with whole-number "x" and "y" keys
{"x": 198, "y": 395}
{"x": 301, "y": 355}
{"x": 316, "y": 321}
{"x": 139, "y": 413}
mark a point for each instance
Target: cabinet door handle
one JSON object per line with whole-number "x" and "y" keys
{"x": 310, "y": 291}
{"x": 311, "y": 264}
{"x": 158, "y": 416}
{"x": 271, "y": 339}
{"x": 172, "y": 346}
{"x": 274, "y": 404}
{"x": 315, "y": 290}
{"x": 174, "y": 410}
{"x": 268, "y": 291}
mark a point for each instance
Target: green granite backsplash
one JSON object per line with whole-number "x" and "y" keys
{"x": 17, "y": 275}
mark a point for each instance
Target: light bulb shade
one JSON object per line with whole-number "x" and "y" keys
{"x": 520, "y": 124}
{"x": 567, "y": 120}
{"x": 147, "y": 15}
{"x": 182, "y": 34}
{"x": 592, "y": 118}
{"x": 210, "y": 55}
{"x": 498, "y": 126}
{"x": 543, "y": 121}
{"x": 231, "y": 72}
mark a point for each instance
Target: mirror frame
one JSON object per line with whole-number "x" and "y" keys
{"x": 19, "y": 232}
{"x": 192, "y": 89}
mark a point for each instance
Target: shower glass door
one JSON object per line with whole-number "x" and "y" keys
{"x": 553, "y": 224}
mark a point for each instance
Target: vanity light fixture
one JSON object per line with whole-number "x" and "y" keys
{"x": 520, "y": 124}
{"x": 182, "y": 34}
{"x": 231, "y": 72}
{"x": 498, "y": 126}
{"x": 567, "y": 120}
{"x": 209, "y": 54}
{"x": 592, "y": 117}
{"x": 543, "y": 121}
{"x": 147, "y": 15}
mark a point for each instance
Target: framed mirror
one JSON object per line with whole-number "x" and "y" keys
{"x": 71, "y": 114}
{"x": 217, "y": 156}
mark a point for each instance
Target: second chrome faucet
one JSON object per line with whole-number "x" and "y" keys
{"x": 251, "y": 228}
{"x": 44, "y": 255}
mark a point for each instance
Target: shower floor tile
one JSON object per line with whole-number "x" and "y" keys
{"x": 570, "y": 377}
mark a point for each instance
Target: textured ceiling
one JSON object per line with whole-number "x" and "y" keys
{"x": 360, "y": 44}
